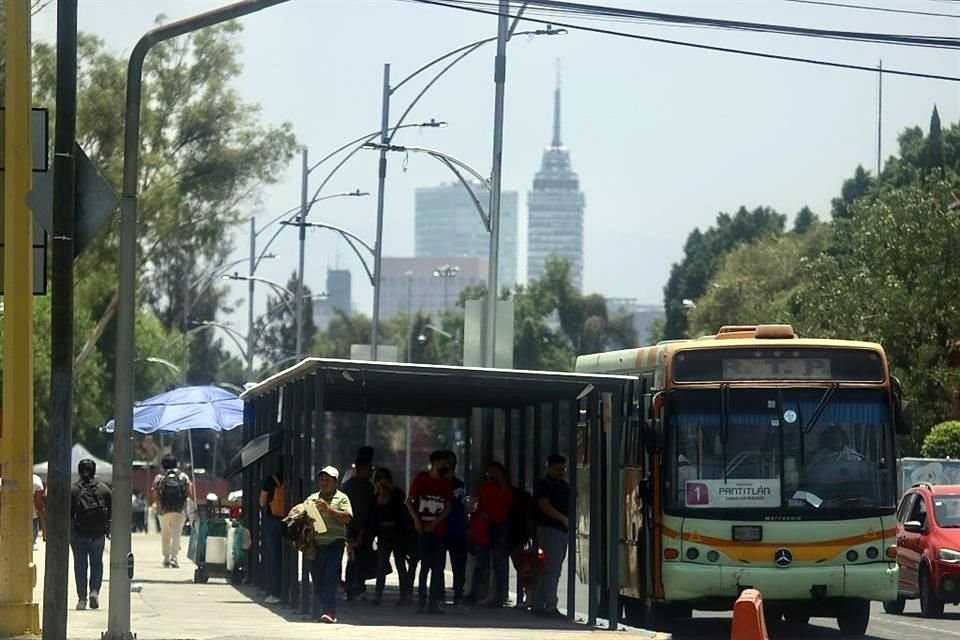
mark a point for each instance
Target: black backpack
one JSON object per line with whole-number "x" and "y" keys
{"x": 173, "y": 491}
{"x": 91, "y": 515}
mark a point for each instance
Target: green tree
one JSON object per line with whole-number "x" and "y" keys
{"x": 805, "y": 221}
{"x": 934, "y": 160}
{"x": 943, "y": 441}
{"x": 276, "y": 331}
{"x": 702, "y": 255}
{"x": 852, "y": 189}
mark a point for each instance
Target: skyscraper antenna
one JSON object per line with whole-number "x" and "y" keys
{"x": 556, "y": 110}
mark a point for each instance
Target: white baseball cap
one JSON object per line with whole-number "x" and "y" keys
{"x": 331, "y": 471}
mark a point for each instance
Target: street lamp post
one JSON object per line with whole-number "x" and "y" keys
{"x": 446, "y": 272}
{"x": 387, "y": 134}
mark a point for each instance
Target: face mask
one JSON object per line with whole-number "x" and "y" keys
{"x": 443, "y": 471}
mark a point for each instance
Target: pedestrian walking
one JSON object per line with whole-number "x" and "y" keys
{"x": 171, "y": 489}
{"x": 429, "y": 503}
{"x": 456, "y": 539}
{"x": 90, "y": 512}
{"x": 39, "y": 510}
{"x": 139, "y": 505}
{"x": 552, "y": 496}
{"x": 388, "y": 522}
{"x": 336, "y": 512}
{"x": 494, "y": 505}
{"x": 271, "y": 505}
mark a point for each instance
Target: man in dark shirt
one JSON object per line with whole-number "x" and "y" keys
{"x": 552, "y": 497}
{"x": 457, "y": 532}
{"x": 361, "y": 561}
{"x": 429, "y": 503}
{"x": 90, "y": 512}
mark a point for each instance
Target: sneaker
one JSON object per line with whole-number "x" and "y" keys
{"x": 166, "y": 563}
{"x": 272, "y": 600}
{"x": 328, "y": 617}
{"x": 94, "y": 600}
{"x": 174, "y": 564}
{"x": 81, "y": 604}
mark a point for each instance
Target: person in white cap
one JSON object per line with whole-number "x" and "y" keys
{"x": 336, "y": 512}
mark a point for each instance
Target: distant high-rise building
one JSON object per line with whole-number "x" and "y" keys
{"x": 427, "y": 285}
{"x": 339, "y": 298}
{"x": 448, "y": 225}
{"x": 555, "y": 209}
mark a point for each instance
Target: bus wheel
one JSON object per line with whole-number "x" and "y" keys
{"x": 895, "y": 607}
{"x": 796, "y": 617}
{"x": 853, "y": 618}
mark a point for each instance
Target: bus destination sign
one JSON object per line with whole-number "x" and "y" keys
{"x": 776, "y": 369}
{"x": 800, "y": 364}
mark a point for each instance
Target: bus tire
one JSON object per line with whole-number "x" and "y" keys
{"x": 853, "y": 617}
{"x": 796, "y": 617}
{"x": 895, "y": 607}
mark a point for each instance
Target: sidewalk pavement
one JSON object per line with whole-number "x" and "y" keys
{"x": 170, "y": 606}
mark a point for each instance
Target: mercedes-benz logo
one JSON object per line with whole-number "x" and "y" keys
{"x": 782, "y": 557}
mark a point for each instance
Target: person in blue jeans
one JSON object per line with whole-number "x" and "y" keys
{"x": 271, "y": 503}
{"x": 334, "y": 507}
{"x": 90, "y": 512}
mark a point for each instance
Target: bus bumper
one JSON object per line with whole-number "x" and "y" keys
{"x": 687, "y": 581}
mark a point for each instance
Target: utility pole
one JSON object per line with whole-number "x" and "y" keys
{"x": 19, "y": 615}
{"x": 408, "y": 435}
{"x": 302, "y": 222}
{"x": 879, "y": 119}
{"x": 499, "y": 79}
{"x": 250, "y": 272}
{"x": 381, "y": 185}
{"x": 61, "y": 329}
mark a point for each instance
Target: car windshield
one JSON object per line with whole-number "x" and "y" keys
{"x": 946, "y": 509}
{"x": 779, "y": 448}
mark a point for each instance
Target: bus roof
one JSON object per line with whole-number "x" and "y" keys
{"x": 651, "y": 357}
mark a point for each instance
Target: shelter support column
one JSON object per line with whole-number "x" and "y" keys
{"x": 320, "y": 441}
{"x": 594, "y": 459}
{"x": 574, "y": 471}
{"x": 287, "y": 556}
{"x": 616, "y": 412}
{"x": 306, "y": 476}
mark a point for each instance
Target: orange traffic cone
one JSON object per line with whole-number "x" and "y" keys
{"x": 748, "y": 622}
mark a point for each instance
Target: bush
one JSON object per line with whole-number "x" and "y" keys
{"x": 943, "y": 441}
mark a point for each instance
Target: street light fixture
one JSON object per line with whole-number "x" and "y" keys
{"x": 446, "y": 272}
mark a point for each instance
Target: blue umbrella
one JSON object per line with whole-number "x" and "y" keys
{"x": 187, "y": 408}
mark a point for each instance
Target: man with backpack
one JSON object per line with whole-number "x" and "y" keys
{"x": 90, "y": 511}
{"x": 171, "y": 489}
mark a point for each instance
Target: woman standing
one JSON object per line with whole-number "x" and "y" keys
{"x": 389, "y": 523}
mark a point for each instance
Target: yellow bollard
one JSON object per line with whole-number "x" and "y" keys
{"x": 19, "y": 615}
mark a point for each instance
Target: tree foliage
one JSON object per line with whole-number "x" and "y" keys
{"x": 943, "y": 441}
{"x": 702, "y": 255}
{"x": 276, "y": 331}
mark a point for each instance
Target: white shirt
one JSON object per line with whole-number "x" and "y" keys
{"x": 37, "y": 486}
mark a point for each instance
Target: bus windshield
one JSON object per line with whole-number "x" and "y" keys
{"x": 787, "y": 448}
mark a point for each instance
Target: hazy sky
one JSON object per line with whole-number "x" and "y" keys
{"x": 662, "y": 137}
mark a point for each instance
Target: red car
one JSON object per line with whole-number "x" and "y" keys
{"x": 928, "y": 548}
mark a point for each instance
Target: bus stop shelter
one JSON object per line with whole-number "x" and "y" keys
{"x": 516, "y": 417}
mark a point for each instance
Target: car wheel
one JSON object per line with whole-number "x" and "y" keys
{"x": 930, "y": 605}
{"x": 854, "y": 617}
{"x": 895, "y": 607}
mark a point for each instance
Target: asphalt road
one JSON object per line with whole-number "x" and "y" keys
{"x": 908, "y": 626}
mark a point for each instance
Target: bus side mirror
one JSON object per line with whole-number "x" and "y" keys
{"x": 902, "y": 411}
{"x": 904, "y": 419}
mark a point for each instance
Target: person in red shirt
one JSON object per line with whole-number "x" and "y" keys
{"x": 429, "y": 502}
{"x": 495, "y": 499}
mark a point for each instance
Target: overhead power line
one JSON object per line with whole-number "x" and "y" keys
{"x": 841, "y": 5}
{"x": 578, "y": 9}
{"x": 453, "y": 4}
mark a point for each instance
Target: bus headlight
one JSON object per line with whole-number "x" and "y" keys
{"x": 949, "y": 555}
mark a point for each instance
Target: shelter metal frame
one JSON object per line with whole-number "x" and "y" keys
{"x": 505, "y": 416}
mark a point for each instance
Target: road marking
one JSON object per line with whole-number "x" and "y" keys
{"x": 915, "y": 626}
